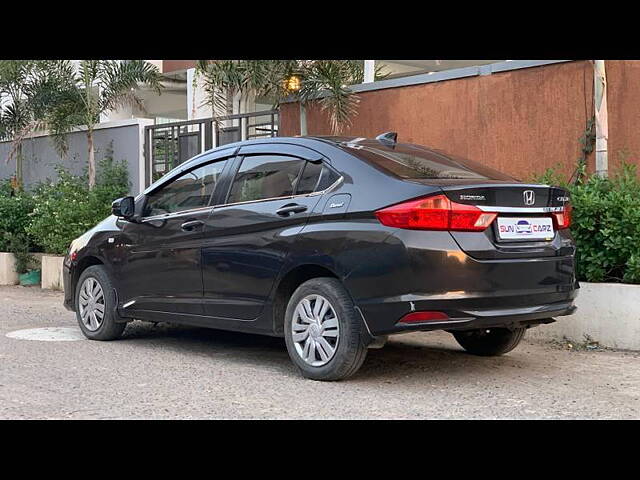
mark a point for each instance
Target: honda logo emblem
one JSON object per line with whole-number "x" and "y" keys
{"x": 529, "y": 197}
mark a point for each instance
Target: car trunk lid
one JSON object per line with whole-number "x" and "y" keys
{"x": 518, "y": 206}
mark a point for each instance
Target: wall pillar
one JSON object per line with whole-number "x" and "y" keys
{"x": 369, "y": 71}
{"x": 303, "y": 120}
{"x": 601, "y": 113}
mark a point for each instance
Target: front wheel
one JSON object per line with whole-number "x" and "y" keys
{"x": 488, "y": 342}
{"x": 95, "y": 305}
{"x": 323, "y": 333}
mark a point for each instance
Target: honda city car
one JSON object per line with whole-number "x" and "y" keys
{"x": 333, "y": 243}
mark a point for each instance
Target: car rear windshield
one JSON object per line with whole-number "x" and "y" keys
{"x": 415, "y": 162}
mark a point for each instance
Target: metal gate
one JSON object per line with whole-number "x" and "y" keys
{"x": 167, "y": 145}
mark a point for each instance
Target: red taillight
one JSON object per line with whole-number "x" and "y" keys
{"x": 435, "y": 213}
{"x": 563, "y": 219}
{"x": 419, "y": 317}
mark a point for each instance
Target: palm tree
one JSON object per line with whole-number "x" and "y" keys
{"x": 14, "y": 113}
{"x": 325, "y": 81}
{"x": 29, "y": 90}
{"x": 99, "y": 86}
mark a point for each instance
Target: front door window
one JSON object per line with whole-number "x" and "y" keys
{"x": 188, "y": 191}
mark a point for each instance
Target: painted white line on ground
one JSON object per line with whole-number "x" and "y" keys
{"x": 48, "y": 334}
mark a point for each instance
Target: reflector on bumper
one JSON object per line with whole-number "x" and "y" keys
{"x": 419, "y": 317}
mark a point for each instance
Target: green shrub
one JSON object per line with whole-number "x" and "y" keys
{"x": 605, "y": 225}
{"x": 551, "y": 176}
{"x": 5, "y": 187}
{"x": 112, "y": 181}
{"x": 18, "y": 244}
{"x": 15, "y": 207}
{"x": 65, "y": 209}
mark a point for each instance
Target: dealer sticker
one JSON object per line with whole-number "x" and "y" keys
{"x": 515, "y": 228}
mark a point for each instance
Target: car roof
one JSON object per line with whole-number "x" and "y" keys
{"x": 299, "y": 140}
{"x": 316, "y": 142}
{"x": 309, "y": 140}
{"x": 341, "y": 141}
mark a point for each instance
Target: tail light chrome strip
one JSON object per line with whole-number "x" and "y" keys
{"x": 486, "y": 208}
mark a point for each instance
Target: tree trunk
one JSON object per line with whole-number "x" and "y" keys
{"x": 19, "y": 171}
{"x": 92, "y": 160}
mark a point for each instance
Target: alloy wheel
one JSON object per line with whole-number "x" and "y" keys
{"x": 315, "y": 330}
{"x": 91, "y": 303}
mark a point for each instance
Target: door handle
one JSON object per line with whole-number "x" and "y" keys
{"x": 291, "y": 208}
{"x": 188, "y": 226}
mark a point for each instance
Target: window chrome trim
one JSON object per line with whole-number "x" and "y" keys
{"x": 312, "y": 194}
{"x": 185, "y": 171}
{"x": 193, "y": 163}
{"x": 486, "y": 208}
{"x": 166, "y": 216}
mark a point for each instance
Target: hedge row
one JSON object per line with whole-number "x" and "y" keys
{"x": 55, "y": 212}
{"x": 605, "y": 225}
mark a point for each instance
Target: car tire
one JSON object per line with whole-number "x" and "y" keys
{"x": 489, "y": 342}
{"x": 110, "y": 326}
{"x": 346, "y": 338}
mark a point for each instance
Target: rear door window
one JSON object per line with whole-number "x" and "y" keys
{"x": 309, "y": 178}
{"x": 316, "y": 177}
{"x": 265, "y": 176}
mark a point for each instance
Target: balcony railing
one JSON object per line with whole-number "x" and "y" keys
{"x": 167, "y": 145}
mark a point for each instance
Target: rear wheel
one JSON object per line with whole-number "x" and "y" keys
{"x": 95, "y": 305}
{"x": 489, "y": 342}
{"x": 323, "y": 333}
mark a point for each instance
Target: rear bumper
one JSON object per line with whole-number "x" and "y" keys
{"x": 496, "y": 318}
{"x": 384, "y": 318}
{"x": 426, "y": 271}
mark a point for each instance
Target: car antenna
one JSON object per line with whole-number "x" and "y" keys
{"x": 388, "y": 138}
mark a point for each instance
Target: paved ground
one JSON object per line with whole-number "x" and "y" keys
{"x": 169, "y": 371}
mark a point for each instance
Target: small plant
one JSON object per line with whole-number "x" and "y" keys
{"x": 551, "y": 176}
{"x": 112, "y": 182}
{"x": 587, "y": 344}
{"x": 15, "y": 207}
{"x": 587, "y": 145}
{"x": 18, "y": 244}
{"x": 6, "y": 188}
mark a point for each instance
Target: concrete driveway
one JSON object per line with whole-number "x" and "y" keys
{"x": 169, "y": 371}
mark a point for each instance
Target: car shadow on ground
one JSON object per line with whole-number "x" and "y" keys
{"x": 197, "y": 339}
{"x": 402, "y": 355}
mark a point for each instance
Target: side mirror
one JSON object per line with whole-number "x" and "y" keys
{"x": 123, "y": 207}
